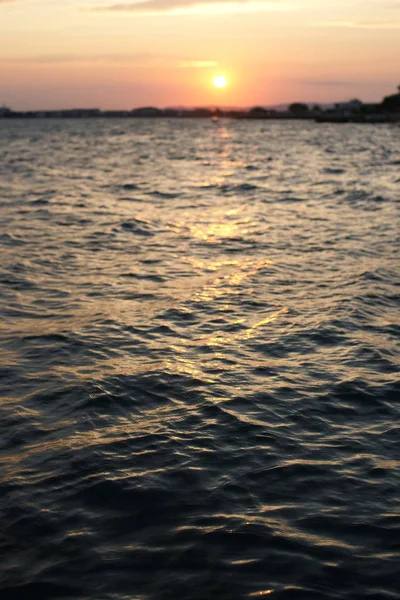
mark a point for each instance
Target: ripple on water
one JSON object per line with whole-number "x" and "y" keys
{"x": 199, "y": 361}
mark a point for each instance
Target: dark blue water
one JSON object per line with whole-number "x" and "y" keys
{"x": 199, "y": 371}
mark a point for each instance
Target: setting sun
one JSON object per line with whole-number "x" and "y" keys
{"x": 220, "y": 81}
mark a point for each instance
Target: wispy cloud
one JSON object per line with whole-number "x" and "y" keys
{"x": 387, "y": 4}
{"x": 141, "y": 59}
{"x": 196, "y": 64}
{"x": 74, "y": 58}
{"x": 324, "y": 83}
{"x": 363, "y": 24}
{"x": 151, "y": 7}
{"x": 335, "y": 83}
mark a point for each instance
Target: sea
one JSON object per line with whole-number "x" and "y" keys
{"x": 199, "y": 360}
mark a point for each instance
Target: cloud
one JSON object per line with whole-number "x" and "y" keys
{"x": 364, "y": 24}
{"x": 148, "y": 7}
{"x": 334, "y": 83}
{"x": 197, "y": 64}
{"x": 6, "y": 3}
{"x": 389, "y": 4}
{"x": 324, "y": 83}
{"x": 74, "y": 58}
{"x": 141, "y": 59}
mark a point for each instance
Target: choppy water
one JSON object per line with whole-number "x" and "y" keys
{"x": 199, "y": 360}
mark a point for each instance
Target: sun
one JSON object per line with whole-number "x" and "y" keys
{"x": 220, "y": 81}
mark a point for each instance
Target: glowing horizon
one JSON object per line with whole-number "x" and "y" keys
{"x": 166, "y": 52}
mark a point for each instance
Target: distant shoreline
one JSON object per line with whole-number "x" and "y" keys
{"x": 352, "y": 112}
{"x": 283, "y": 116}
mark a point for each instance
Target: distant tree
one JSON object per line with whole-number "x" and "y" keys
{"x": 258, "y": 112}
{"x": 202, "y": 112}
{"x": 316, "y": 108}
{"x": 146, "y": 111}
{"x": 391, "y": 103}
{"x": 298, "y": 109}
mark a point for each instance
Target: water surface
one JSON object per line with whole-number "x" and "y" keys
{"x": 199, "y": 360}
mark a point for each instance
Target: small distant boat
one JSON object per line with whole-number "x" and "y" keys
{"x": 215, "y": 119}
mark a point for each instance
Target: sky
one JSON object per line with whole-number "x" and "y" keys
{"x": 113, "y": 54}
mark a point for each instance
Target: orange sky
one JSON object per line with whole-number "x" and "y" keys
{"x": 107, "y": 54}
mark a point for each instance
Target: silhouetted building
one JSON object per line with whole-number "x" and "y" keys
{"x": 5, "y": 111}
{"x": 348, "y": 109}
